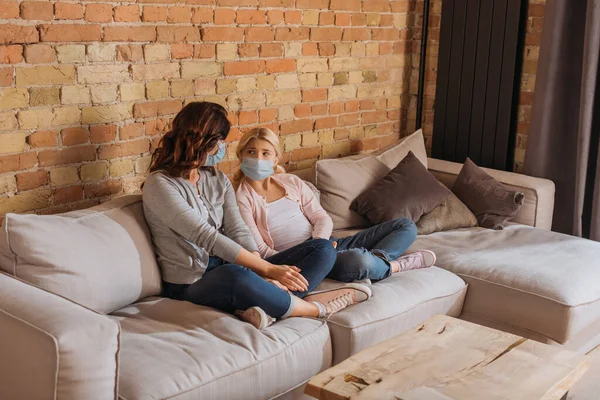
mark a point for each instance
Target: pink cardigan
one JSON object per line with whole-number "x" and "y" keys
{"x": 253, "y": 209}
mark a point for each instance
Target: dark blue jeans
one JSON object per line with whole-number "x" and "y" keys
{"x": 230, "y": 287}
{"x": 368, "y": 253}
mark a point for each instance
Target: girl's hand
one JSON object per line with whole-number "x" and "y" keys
{"x": 277, "y": 283}
{"x": 334, "y": 243}
{"x": 289, "y": 276}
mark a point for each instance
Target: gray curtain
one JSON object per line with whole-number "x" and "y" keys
{"x": 565, "y": 122}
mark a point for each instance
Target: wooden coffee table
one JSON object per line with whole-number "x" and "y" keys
{"x": 450, "y": 359}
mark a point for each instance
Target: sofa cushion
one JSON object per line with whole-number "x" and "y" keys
{"x": 398, "y": 303}
{"x": 101, "y": 257}
{"x": 451, "y": 214}
{"x": 535, "y": 280}
{"x": 178, "y": 350}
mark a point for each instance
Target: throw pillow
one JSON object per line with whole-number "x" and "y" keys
{"x": 340, "y": 181}
{"x": 451, "y": 214}
{"x": 393, "y": 154}
{"x": 407, "y": 191}
{"x": 492, "y": 203}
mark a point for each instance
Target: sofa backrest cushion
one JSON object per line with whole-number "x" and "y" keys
{"x": 101, "y": 257}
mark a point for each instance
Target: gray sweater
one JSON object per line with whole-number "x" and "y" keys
{"x": 182, "y": 236}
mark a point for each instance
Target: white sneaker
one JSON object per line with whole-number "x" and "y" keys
{"x": 256, "y": 316}
{"x": 416, "y": 260}
{"x": 334, "y": 300}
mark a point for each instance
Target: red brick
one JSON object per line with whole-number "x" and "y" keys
{"x": 259, "y": 34}
{"x": 244, "y": 67}
{"x": 43, "y": 139}
{"x": 336, "y": 108}
{"x": 349, "y": 119}
{"x": 402, "y": 6}
{"x": 103, "y": 133}
{"x": 179, "y": 51}
{"x": 267, "y": 114}
{"x": 247, "y": 118}
{"x": 12, "y": 54}
{"x": 18, "y": 34}
{"x": 6, "y": 76}
{"x": 39, "y": 54}
{"x": 281, "y": 65}
{"x": 351, "y": 106}
{"x": 343, "y": 19}
{"x": 74, "y": 136}
{"x": 366, "y": 105}
{"x": 306, "y": 153}
{"x": 9, "y": 9}
{"x": 127, "y": 13}
{"x": 179, "y": 14}
{"x": 205, "y": 51}
{"x": 403, "y": 47}
{"x": 224, "y": 16}
{"x": 385, "y": 34}
{"x": 131, "y": 131}
{"x": 326, "y": 18}
{"x": 98, "y": 13}
{"x": 17, "y": 162}
{"x": 356, "y": 34}
{"x": 293, "y": 17}
{"x": 326, "y": 34}
{"x": 217, "y": 34}
{"x": 341, "y": 134}
{"x": 157, "y": 126}
{"x": 386, "y": 20}
{"x": 68, "y": 11}
{"x": 70, "y": 33}
{"x": 301, "y": 125}
{"x": 372, "y": 117}
{"x": 376, "y": 5}
{"x": 271, "y": 50}
{"x": 319, "y": 109}
{"x": 359, "y": 19}
{"x": 69, "y": 155}
{"x": 314, "y": 95}
{"x": 276, "y": 3}
{"x": 251, "y": 17}
{"x": 536, "y": 10}
{"x": 103, "y": 189}
{"x": 533, "y": 39}
{"x": 392, "y": 115}
{"x": 248, "y": 50}
{"x": 351, "y": 5}
{"x": 202, "y": 16}
{"x": 39, "y": 10}
{"x": 129, "y": 52}
{"x": 326, "y": 49}
{"x": 156, "y": 108}
{"x": 275, "y": 17}
{"x": 302, "y": 110}
{"x": 310, "y": 49}
{"x": 177, "y": 34}
{"x": 32, "y": 180}
{"x": 326, "y": 123}
{"x": 309, "y": 4}
{"x": 123, "y": 149}
{"x": 526, "y": 98}
{"x": 68, "y": 194}
{"x": 154, "y": 14}
{"x": 291, "y": 34}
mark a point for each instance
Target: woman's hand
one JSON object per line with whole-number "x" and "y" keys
{"x": 277, "y": 283}
{"x": 289, "y": 276}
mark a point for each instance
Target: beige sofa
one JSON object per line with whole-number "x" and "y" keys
{"x": 80, "y": 316}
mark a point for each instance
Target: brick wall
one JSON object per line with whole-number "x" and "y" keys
{"x": 87, "y": 88}
{"x": 531, "y": 52}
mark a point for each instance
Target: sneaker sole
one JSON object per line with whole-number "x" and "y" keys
{"x": 256, "y": 317}
{"x": 357, "y": 286}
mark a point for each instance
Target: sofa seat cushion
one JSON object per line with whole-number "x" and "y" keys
{"x": 178, "y": 350}
{"x": 399, "y": 303}
{"x": 535, "y": 280}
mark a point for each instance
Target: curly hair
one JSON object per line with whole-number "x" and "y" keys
{"x": 196, "y": 130}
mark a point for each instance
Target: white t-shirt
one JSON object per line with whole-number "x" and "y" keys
{"x": 287, "y": 224}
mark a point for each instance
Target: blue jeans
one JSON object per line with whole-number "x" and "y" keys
{"x": 368, "y": 253}
{"x": 230, "y": 287}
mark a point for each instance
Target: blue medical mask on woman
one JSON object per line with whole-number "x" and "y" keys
{"x": 256, "y": 169}
{"x": 214, "y": 159}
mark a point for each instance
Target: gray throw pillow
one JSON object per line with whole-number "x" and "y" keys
{"x": 407, "y": 191}
{"x": 492, "y": 203}
{"x": 451, "y": 214}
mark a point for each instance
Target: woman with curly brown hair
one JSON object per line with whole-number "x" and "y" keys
{"x": 205, "y": 250}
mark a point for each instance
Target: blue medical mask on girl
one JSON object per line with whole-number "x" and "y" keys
{"x": 214, "y": 159}
{"x": 256, "y": 169}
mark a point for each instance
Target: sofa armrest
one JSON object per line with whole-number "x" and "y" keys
{"x": 539, "y": 193}
{"x": 53, "y": 348}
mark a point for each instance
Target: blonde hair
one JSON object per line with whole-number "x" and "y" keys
{"x": 261, "y": 134}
